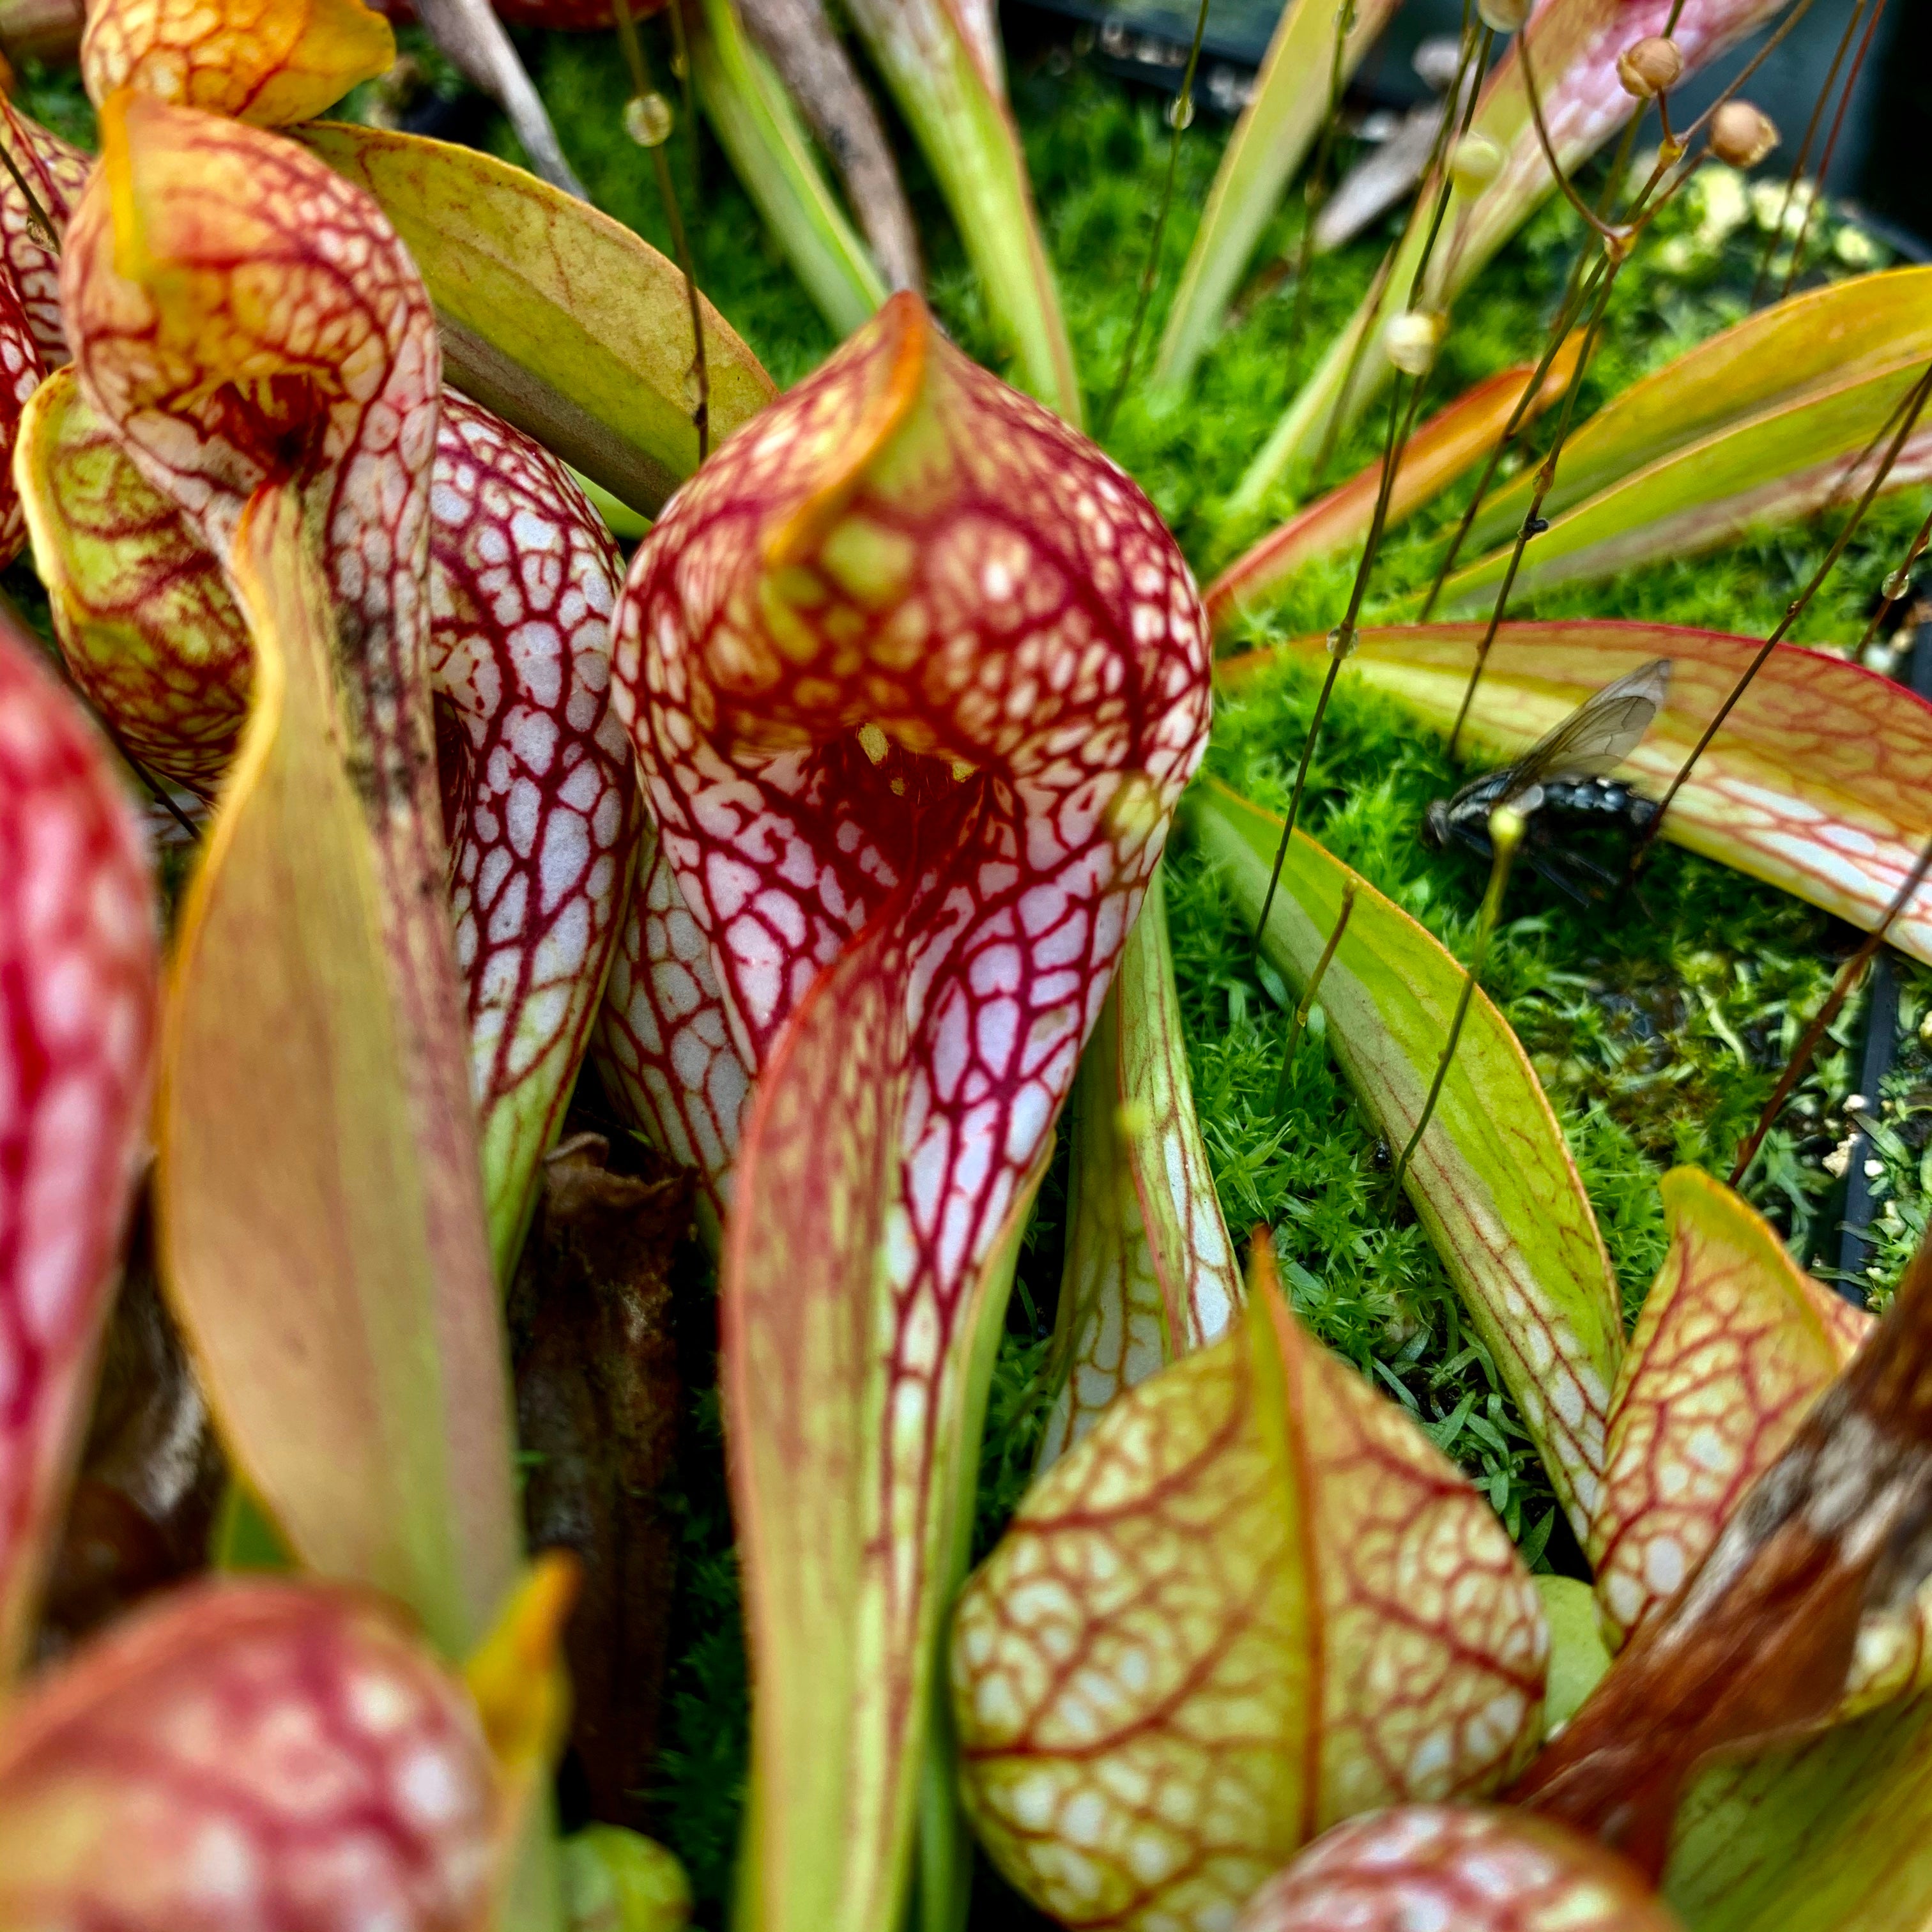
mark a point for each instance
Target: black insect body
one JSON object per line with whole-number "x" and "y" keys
{"x": 1562, "y": 786}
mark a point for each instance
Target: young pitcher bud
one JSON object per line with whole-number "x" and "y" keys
{"x": 1741, "y": 135}
{"x": 1412, "y": 339}
{"x": 1504, "y": 17}
{"x": 1650, "y": 67}
{"x": 1475, "y": 162}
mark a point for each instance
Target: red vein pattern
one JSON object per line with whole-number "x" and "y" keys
{"x": 1150, "y": 1273}
{"x": 664, "y": 1042}
{"x": 1820, "y": 781}
{"x": 1734, "y": 1344}
{"x": 20, "y": 373}
{"x": 909, "y": 650}
{"x": 57, "y": 172}
{"x": 1461, "y": 1868}
{"x": 523, "y": 576}
{"x": 523, "y": 579}
{"x": 259, "y": 1756}
{"x": 79, "y": 970}
{"x": 1253, "y": 1600}
{"x": 273, "y": 62}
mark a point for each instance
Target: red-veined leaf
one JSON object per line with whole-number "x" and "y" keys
{"x": 79, "y": 984}
{"x": 1492, "y": 1179}
{"x": 916, "y": 677}
{"x": 1818, "y": 782}
{"x": 1276, "y": 129}
{"x": 1149, "y": 1273}
{"x": 245, "y": 1755}
{"x": 1254, "y": 1600}
{"x": 539, "y": 803}
{"x": 315, "y": 1125}
{"x": 57, "y": 172}
{"x": 1734, "y": 1343}
{"x": 1573, "y": 46}
{"x": 1438, "y": 453}
{"x": 1760, "y": 1644}
{"x": 553, "y": 315}
{"x": 1477, "y": 1868}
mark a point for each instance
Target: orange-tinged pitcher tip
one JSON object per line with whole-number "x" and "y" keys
{"x": 904, "y": 327}
{"x": 516, "y": 1676}
{"x": 271, "y": 62}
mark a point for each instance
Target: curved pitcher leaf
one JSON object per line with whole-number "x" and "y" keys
{"x": 1492, "y": 1179}
{"x": 80, "y": 986}
{"x": 314, "y": 1124}
{"x": 1759, "y": 1644}
{"x": 1820, "y": 781}
{"x": 1150, "y": 1273}
{"x": 1253, "y": 1600}
{"x": 57, "y": 172}
{"x": 1272, "y": 139}
{"x": 915, "y": 676}
{"x": 539, "y": 803}
{"x": 1814, "y": 342}
{"x": 244, "y": 1754}
{"x": 271, "y": 62}
{"x": 1477, "y": 1867}
{"x": 664, "y": 1042}
{"x": 1734, "y": 1343}
{"x": 1438, "y": 452}
{"x": 941, "y": 58}
{"x": 1803, "y": 457}
{"x": 553, "y": 315}
{"x": 1573, "y": 45}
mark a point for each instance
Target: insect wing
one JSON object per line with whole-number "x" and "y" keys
{"x": 1597, "y": 737}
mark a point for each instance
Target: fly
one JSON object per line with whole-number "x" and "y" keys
{"x": 1562, "y": 784}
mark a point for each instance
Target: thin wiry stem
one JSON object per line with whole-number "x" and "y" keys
{"x": 1183, "y": 113}
{"x": 1341, "y": 643}
{"x": 1849, "y": 976}
{"x": 1903, "y": 577}
{"x": 1804, "y": 153}
{"x": 680, "y": 42}
{"x": 1824, "y": 160}
{"x": 1506, "y": 831}
{"x": 1779, "y": 37}
{"x": 1915, "y": 403}
{"x": 1590, "y": 215}
{"x": 50, "y": 236}
{"x": 1306, "y": 1005}
{"x": 642, "y": 89}
{"x": 1532, "y": 521}
{"x": 1474, "y": 48}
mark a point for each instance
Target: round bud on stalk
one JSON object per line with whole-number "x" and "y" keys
{"x": 1504, "y": 17}
{"x": 648, "y": 118}
{"x": 1475, "y": 162}
{"x": 1741, "y": 135}
{"x": 1650, "y": 67}
{"x": 1412, "y": 339}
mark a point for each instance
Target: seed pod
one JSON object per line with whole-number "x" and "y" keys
{"x": 1741, "y": 135}
{"x": 1504, "y": 17}
{"x": 1650, "y": 67}
{"x": 1412, "y": 339}
{"x": 1476, "y": 162}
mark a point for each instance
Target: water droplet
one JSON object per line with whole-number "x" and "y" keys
{"x": 1897, "y": 585}
{"x": 648, "y": 119}
{"x": 1180, "y": 111}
